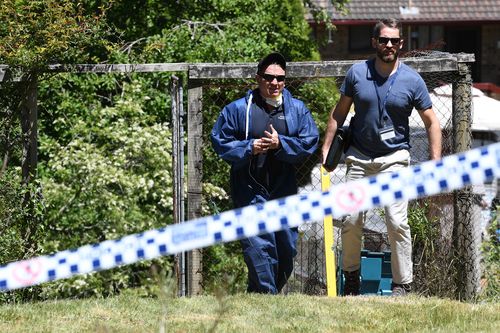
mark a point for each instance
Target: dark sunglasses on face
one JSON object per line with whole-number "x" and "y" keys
{"x": 270, "y": 77}
{"x": 385, "y": 40}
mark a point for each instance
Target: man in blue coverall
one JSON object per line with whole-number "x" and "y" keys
{"x": 263, "y": 135}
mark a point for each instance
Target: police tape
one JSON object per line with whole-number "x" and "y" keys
{"x": 453, "y": 172}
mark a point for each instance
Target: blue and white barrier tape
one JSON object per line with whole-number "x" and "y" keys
{"x": 453, "y": 172}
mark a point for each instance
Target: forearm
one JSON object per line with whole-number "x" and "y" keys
{"x": 435, "y": 141}
{"x": 433, "y": 129}
{"x": 336, "y": 119}
{"x": 329, "y": 133}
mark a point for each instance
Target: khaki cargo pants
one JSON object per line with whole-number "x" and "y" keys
{"x": 396, "y": 217}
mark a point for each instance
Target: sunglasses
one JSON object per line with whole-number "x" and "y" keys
{"x": 385, "y": 40}
{"x": 270, "y": 77}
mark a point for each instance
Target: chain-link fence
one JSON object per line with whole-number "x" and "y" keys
{"x": 446, "y": 228}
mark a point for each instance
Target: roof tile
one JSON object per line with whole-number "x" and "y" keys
{"x": 428, "y": 10}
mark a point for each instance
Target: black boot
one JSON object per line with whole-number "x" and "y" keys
{"x": 352, "y": 283}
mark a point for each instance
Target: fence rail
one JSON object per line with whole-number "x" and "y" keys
{"x": 436, "y": 69}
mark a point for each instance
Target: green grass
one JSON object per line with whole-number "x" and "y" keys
{"x": 251, "y": 313}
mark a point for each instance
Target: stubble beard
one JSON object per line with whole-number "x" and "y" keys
{"x": 388, "y": 58}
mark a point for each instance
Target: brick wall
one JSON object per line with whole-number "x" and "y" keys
{"x": 338, "y": 48}
{"x": 490, "y": 61}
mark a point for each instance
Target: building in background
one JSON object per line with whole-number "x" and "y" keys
{"x": 454, "y": 26}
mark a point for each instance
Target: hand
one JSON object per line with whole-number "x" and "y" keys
{"x": 324, "y": 154}
{"x": 324, "y": 151}
{"x": 272, "y": 138}
{"x": 327, "y": 169}
{"x": 260, "y": 147}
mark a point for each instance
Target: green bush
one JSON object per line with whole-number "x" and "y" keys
{"x": 11, "y": 216}
{"x": 320, "y": 96}
{"x": 105, "y": 140}
{"x": 106, "y": 172}
{"x": 491, "y": 260}
{"x": 433, "y": 272}
{"x": 224, "y": 267}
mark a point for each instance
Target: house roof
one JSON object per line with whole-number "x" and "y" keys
{"x": 361, "y": 11}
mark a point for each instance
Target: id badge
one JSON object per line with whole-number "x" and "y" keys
{"x": 387, "y": 133}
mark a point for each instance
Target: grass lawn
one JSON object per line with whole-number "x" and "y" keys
{"x": 251, "y": 313}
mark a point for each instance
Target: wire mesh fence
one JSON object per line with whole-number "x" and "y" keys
{"x": 436, "y": 222}
{"x": 446, "y": 228}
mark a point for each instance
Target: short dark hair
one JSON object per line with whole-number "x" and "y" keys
{"x": 271, "y": 58}
{"x": 390, "y": 23}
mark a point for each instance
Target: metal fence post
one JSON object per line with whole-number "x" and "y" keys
{"x": 178, "y": 170}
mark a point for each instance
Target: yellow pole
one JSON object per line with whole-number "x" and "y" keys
{"x": 331, "y": 276}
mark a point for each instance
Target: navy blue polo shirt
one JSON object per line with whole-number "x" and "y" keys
{"x": 402, "y": 91}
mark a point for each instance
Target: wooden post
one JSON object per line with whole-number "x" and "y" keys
{"x": 195, "y": 175}
{"x": 466, "y": 250}
{"x": 29, "y": 127}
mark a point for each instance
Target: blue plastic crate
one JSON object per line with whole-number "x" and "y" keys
{"x": 375, "y": 274}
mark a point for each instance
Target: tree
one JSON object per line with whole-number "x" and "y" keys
{"x": 36, "y": 33}
{"x": 136, "y": 20}
{"x": 33, "y": 34}
{"x": 180, "y": 31}
{"x": 101, "y": 179}
{"x": 231, "y": 31}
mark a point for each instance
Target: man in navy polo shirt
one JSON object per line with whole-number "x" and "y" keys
{"x": 263, "y": 135}
{"x": 384, "y": 92}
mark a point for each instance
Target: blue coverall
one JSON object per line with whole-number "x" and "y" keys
{"x": 269, "y": 257}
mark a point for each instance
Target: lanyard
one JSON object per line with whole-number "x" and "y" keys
{"x": 381, "y": 104}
